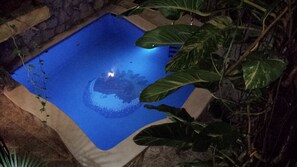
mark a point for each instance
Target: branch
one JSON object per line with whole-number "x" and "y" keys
{"x": 255, "y": 43}
{"x": 284, "y": 152}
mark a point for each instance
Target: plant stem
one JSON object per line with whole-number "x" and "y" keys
{"x": 247, "y": 28}
{"x": 255, "y": 43}
{"x": 214, "y": 157}
{"x": 226, "y": 156}
{"x": 290, "y": 25}
{"x": 251, "y": 114}
{"x": 255, "y": 5}
{"x": 249, "y": 130}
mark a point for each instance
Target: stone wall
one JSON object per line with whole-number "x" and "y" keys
{"x": 64, "y": 15}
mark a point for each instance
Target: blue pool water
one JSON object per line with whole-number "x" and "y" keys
{"x": 96, "y": 75}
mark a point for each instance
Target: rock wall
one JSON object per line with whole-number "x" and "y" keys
{"x": 64, "y": 15}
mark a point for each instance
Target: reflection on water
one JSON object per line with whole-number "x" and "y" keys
{"x": 89, "y": 98}
{"x": 116, "y": 94}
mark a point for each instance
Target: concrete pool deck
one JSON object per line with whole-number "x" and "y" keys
{"x": 74, "y": 138}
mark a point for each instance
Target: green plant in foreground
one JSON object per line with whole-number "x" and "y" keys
{"x": 187, "y": 133}
{"x": 17, "y": 160}
{"x": 241, "y": 54}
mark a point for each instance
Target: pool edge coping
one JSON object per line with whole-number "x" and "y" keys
{"x": 140, "y": 23}
{"x": 26, "y": 101}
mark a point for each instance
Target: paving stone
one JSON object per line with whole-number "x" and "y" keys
{"x": 164, "y": 157}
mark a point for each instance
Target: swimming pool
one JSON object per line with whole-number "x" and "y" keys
{"x": 95, "y": 77}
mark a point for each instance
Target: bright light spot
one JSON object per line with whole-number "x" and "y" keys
{"x": 110, "y": 74}
{"x": 149, "y": 51}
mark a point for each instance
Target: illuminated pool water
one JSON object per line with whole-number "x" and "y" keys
{"x": 95, "y": 77}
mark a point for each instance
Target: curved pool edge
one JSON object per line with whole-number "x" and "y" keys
{"x": 83, "y": 149}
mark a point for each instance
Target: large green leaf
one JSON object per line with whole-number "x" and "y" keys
{"x": 171, "y": 14}
{"x": 165, "y": 86}
{"x": 221, "y": 22}
{"x": 219, "y": 134}
{"x": 198, "y": 126}
{"x": 212, "y": 87}
{"x": 193, "y": 6}
{"x": 169, "y": 134}
{"x": 259, "y": 71}
{"x": 166, "y": 35}
{"x": 198, "y": 49}
{"x": 178, "y": 114}
{"x": 202, "y": 143}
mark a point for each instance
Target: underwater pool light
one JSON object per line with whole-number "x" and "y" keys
{"x": 110, "y": 74}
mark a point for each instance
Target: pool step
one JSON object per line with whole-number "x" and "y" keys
{"x": 173, "y": 49}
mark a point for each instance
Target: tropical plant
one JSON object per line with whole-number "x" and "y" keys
{"x": 16, "y": 160}
{"x": 187, "y": 133}
{"x": 244, "y": 54}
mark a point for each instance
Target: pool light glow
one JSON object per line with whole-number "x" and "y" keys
{"x": 110, "y": 74}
